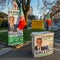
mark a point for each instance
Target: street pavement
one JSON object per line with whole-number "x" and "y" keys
{"x": 25, "y": 53}
{"x": 4, "y": 49}
{"x": 57, "y": 37}
{"x": 2, "y": 45}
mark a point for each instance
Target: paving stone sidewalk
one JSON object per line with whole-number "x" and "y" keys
{"x": 4, "y": 49}
{"x": 3, "y": 31}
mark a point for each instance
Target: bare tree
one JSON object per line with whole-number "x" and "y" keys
{"x": 2, "y": 4}
{"x": 47, "y": 5}
{"x": 57, "y": 6}
{"x": 25, "y": 6}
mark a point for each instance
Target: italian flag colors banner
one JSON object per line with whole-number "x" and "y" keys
{"x": 22, "y": 22}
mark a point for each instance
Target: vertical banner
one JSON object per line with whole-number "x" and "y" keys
{"x": 22, "y": 22}
{"x": 15, "y": 36}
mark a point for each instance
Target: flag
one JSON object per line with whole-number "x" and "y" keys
{"x": 48, "y": 16}
{"x": 22, "y": 22}
{"x": 48, "y": 19}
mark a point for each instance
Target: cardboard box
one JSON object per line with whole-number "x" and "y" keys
{"x": 42, "y": 43}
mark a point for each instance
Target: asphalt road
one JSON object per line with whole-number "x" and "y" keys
{"x": 24, "y": 53}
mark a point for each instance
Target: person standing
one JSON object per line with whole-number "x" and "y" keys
{"x": 48, "y": 24}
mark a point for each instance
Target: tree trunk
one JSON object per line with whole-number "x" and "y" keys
{"x": 26, "y": 19}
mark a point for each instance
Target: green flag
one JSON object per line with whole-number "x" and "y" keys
{"x": 48, "y": 16}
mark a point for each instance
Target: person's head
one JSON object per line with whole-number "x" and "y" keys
{"x": 39, "y": 42}
{"x": 11, "y": 20}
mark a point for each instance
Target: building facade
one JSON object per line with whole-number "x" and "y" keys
{"x": 56, "y": 17}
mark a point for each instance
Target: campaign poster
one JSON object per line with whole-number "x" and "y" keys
{"x": 42, "y": 44}
{"x": 15, "y": 36}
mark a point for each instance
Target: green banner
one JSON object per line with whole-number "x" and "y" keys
{"x": 13, "y": 40}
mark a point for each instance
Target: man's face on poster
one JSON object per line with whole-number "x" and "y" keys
{"x": 11, "y": 20}
{"x": 39, "y": 42}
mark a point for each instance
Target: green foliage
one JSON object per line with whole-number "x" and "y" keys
{"x": 3, "y": 28}
{"x": 3, "y": 22}
{"x": 4, "y": 37}
{"x": 27, "y": 34}
{"x": 3, "y": 14}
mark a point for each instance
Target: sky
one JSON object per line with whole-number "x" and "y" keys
{"x": 7, "y": 7}
{"x": 35, "y": 10}
{"x": 34, "y": 6}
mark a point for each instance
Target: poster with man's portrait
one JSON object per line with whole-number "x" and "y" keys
{"x": 15, "y": 36}
{"x": 13, "y": 19}
{"x": 42, "y": 44}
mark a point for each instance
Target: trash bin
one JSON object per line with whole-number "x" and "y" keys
{"x": 42, "y": 43}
